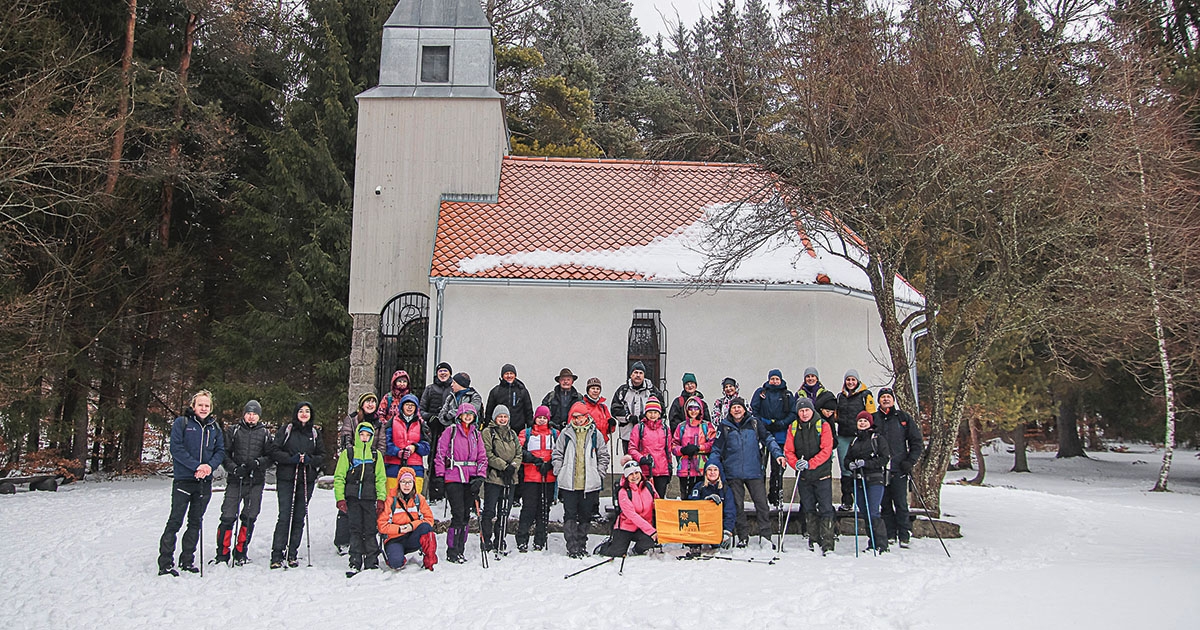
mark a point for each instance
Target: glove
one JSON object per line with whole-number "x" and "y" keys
{"x": 379, "y": 507}
{"x": 647, "y": 460}
{"x": 690, "y": 449}
{"x": 906, "y": 467}
{"x": 529, "y": 458}
{"x": 510, "y": 470}
{"x": 801, "y": 464}
{"x": 243, "y": 471}
{"x": 342, "y": 506}
{"x": 406, "y": 453}
{"x": 856, "y": 464}
{"x": 726, "y": 539}
{"x": 476, "y": 484}
{"x": 545, "y": 467}
{"x": 715, "y": 498}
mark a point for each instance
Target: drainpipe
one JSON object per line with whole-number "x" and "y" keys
{"x": 440, "y": 285}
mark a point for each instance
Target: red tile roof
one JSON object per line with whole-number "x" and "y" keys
{"x": 573, "y": 205}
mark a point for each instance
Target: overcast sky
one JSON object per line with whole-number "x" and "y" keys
{"x": 650, "y": 14}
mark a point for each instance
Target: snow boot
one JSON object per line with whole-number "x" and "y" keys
{"x": 880, "y": 537}
{"x": 826, "y": 534}
{"x": 811, "y": 526}
{"x": 243, "y": 541}
{"x": 168, "y": 571}
{"x": 429, "y": 550}
{"x": 224, "y": 542}
{"x": 847, "y": 493}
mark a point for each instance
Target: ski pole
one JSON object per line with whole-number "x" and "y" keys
{"x": 200, "y": 542}
{"x": 621, "y": 571}
{"x": 291, "y": 510}
{"x": 732, "y": 559}
{"x": 307, "y": 527}
{"x": 855, "y": 517}
{"x": 482, "y": 544}
{"x": 933, "y": 523}
{"x": 237, "y": 524}
{"x": 586, "y": 569}
{"x": 870, "y": 524}
{"x": 788, "y": 520}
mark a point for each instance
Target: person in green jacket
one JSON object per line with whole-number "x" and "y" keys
{"x": 504, "y": 460}
{"x": 360, "y": 487}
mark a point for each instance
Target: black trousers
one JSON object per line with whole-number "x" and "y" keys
{"x": 686, "y": 485}
{"x": 189, "y": 498}
{"x": 461, "y": 499}
{"x": 816, "y": 497}
{"x": 660, "y": 485}
{"x": 492, "y": 498}
{"x": 244, "y": 494}
{"x": 762, "y": 511}
{"x": 776, "y": 490}
{"x": 436, "y": 485}
{"x": 577, "y": 510}
{"x": 535, "y": 511}
{"x": 619, "y": 544}
{"x": 293, "y": 505}
{"x": 364, "y": 542}
{"x": 895, "y": 507}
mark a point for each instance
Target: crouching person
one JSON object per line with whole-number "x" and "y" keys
{"x": 406, "y": 524}
{"x": 715, "y": 490}
{"x": 635, "y": 497}
{"x": 359, "y": 485}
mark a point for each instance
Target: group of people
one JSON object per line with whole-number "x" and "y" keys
{"x": 488, "y": 457}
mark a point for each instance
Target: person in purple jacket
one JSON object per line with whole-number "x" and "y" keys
{"x": 462, "y": 463}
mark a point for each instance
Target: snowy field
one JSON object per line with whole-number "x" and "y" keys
{"x": 1075, "y": 544}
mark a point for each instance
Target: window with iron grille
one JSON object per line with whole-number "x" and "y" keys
{"x": 403, "y": 339}
{"x": 648, "y": 344}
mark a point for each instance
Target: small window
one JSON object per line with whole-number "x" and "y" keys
{"x": 648, "y": 344}
{"x": 435, "y": 64}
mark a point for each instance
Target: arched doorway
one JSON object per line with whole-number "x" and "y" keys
{"x": 403, "y": 339}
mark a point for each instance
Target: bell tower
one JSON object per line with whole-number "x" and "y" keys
{"x": 433, "y": 126}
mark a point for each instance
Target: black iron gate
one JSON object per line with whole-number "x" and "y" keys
{"x": 403, "y": 338}
{"x": 648, "y": 344}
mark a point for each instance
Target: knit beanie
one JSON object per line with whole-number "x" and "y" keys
{"x": 462, "y": 379}
{"x": 253, "y": 407}
{"x": 653, "y": 405}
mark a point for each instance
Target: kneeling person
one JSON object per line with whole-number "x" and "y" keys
{"x": 635, "y": 497}
{"x": 407, "y": 524}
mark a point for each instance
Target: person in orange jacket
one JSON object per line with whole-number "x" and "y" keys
{"x": 406, "y": 523}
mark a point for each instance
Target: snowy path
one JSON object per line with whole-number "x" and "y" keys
{"x": 1108, "y": 555}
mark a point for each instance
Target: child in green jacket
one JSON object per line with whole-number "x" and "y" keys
{"x": 360, "y": 487}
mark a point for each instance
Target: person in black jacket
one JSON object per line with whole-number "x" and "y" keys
{"x": 246, "y": 462}
{"x": 432, "y": 399}
{"x": 560, "y": 399}
{"x": 867, "y": 458}
{"x": 299, "y": 451}
{"x": 904, "y": 438}
{"x": 197, "y": 447}
{"x": 511, "y": 393}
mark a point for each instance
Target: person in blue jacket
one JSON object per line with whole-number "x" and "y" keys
{"x": 772, "y": 404}
{"x": 735, "y": 452}
{"x": 715, "y": 490}
{"x": 197, "y": 448}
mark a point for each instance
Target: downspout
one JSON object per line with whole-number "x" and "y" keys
{"x": 440, "y": 285}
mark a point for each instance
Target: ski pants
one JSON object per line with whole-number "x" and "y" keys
{"x": 816, "y": 497}
{"x": 895, "y": 507}
{"x": 492, "y": 495}
{"x": 245, "y": 494}
{"x": 396, "y": 548}
{"x": 364, "y": 540}
{"x": 535, "y": 511}
{"x": 460, "y": 498}
{"x": 189, "y": 497}
{"x": 293, "y": 505}
{"x": 762, "y": 511}
{"x": 619, "y": 544}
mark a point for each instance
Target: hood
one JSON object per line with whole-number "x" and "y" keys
{"x": 579, "y": 407}
{"x": 397, "y": 375}
{"x": 826, "y": 400}
{"x": 296, "y": 413}
{"x": 409, "y": 398}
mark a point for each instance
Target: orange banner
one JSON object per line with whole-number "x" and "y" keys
{"x": 691, "y": 522}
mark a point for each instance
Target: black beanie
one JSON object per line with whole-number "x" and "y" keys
{"x": 462, "y": 379}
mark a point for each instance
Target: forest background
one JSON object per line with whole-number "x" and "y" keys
{"x": 175, "y": 196}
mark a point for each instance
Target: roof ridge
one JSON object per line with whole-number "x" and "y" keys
{"x": 615, "y": 161}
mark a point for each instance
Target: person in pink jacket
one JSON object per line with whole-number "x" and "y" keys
{"x": 462, "y": 462}
{"x": 691, "y": 444}
{"x": 650, "y": 446}
{"x": 635, "y": 523}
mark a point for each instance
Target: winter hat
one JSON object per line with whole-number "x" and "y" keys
{"x": 637, "y": 366}
{"x": 804, "y": 403}
{"x": 850, "y": 373}
{"x": 826, "y": 400}
{"x": 407, "y": 472}
{"x": 506, "y": 368}
{"x": 566, "y": 372}
{"x": 577, "y": 409}
{"x": 885, "y": 390}
{"x": 364, "y": 398}
{"x": 466, "y": 408}
{"x": 737, "y": 402}
{"x": 542, "y": 412}
{"x": 728, "y": 381}
{"x": 653, "y": 405}
{"x": 462, "y": 379}
{"x": 774, "y": 372}
{"x": 500, "y": 410}
{"x": 629, "y": 466}
{"x": 593, "y": 382}
{"x": 688, "y": 377}
{"x": 441, "y": 365}
{"x": 694, "y": 403}
{"x": 811, "y": 370}
{"x": 867, "y": 415}
{"x": 253, "y": 407}
{"x": 409, "y": 398}
{"x": 366, "y": 426}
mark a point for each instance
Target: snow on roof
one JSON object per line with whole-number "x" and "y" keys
{"x": 615, "y": 220}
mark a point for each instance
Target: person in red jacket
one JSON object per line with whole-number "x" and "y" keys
{"x": 635, "y": 523}
{"x": 809, "y": 450}
{"x": 598, "y": 410}
{"x": 650, "y": 446}
{"x": 537, "y": 492}
{"x": 692, "y": 444}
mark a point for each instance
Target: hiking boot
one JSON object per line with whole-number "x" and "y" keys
{"x": 276, "y": 564}
{"x": 190, "y": 568}
{"x": 522, "y": 547}
{"x": 168, "y": 571}
{"x": 539, "y": 546}
{"x": 742, "y": 541}
{"x": 292, "y": 564}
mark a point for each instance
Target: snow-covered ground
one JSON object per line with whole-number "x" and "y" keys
{"x": 1075, "y": 544}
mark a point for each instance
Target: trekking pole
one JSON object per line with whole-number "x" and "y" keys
{"x": 200, "y": 542}
{"x": 788, "y": 520}
{"x": 932, "y": 522}
{"x": 855, "y": 518}
{"x": 307, "y": 527}
{"x": 237, "y": 523}
{"x": 870, "y": 524}
{"x": 291, "y": 511}
{"x": 621, "y": 571}
{"x": 482, "y": 543}
{"x": 586, "y": 569}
